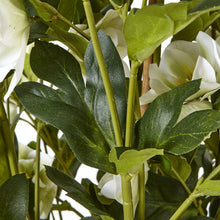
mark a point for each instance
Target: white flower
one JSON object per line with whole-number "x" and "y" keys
{"x": 183, "y": 61}
{"x": 110, "y": 186}
{"x": 14, "y": 32}
{"x": 112, "y": 25}
{"x": 27, "y": 164}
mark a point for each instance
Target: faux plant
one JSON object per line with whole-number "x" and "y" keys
{"x": 156, "y": 150}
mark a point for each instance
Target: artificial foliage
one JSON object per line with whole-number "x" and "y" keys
{"x": 155, "y": 148}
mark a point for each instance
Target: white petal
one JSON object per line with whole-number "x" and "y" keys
{"x": 195, "y": 105}
{"x": 209, "y": 49}
{"x": 148, "y": 97}
{"x": 206, "y": 72}
{"x": 19, "y": 65}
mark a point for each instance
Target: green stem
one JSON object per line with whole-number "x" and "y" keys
{"x": 127, "y": 197}
{"x": 12, "y": 157}
{"x": 104, "y": 72}
{"x": 62, "y": 18}
{"x": 141, "y": 181}
{"x": 131, "y": 98}
{"x": 36, "y": 185}
{"x": 183, "y": 207}
{"x": 144, "y": 3}
{"x": 187, "y": 202}
{"x": 214, "y": 173}
{"x": 201, "y": 211}
{"x": 124, "y": 12}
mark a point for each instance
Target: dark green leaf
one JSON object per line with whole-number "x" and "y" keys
{"x": 204, "y": 5}
{"x": 95, "y": 96}
{"x": 163, "y": 196}
{"x": 59, "y": 68}
{"x": 158, "y": 127}
{"x": 74, "y": 190}
{"x": 14, "y": 196}
{"x": 78, "y": 125}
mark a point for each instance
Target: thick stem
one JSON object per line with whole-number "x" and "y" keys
{"x": 141, "y": 181}
{"x": 104, "y": 72}
{"x": 127, "y": 197}
{"x": 131, "y": 98}
{"x": 12, "y": 158}
{"x": 36, "y": 185}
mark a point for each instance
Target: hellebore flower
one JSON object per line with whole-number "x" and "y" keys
{"x": 110, "y": 186}
{"x": 183, "y": 61}
{"x": 14, "y": 32}
{"x": 27, "y": 164}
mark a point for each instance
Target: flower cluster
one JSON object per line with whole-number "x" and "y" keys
{"x": 183, "y": 61}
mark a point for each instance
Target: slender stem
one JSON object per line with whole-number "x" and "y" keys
{"x": 104, "y": 72}
{"x": 183, "y": 207}
{"x": 127, "y": 197}
{"x": 141, "y": 181}
{"x": 12, "y": 157}
{"x": 214, "y": 173}
{"x": 36, "y": 185}
{"x": 131, "y": 98}
{"x": 144, "y": 3}
{"x": 124, "y": 12}
{"x": 62, "y": 18}
{"x": 201, "y": 211}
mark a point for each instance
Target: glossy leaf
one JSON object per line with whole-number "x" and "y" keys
{"x": 14, "y": 197}
{"x": 65, "y": 108}
{"x": 145, "y": 30}
{"x": 74, "y": 190}
{"x": 78, "y": 125}
{"x": 158, "y": 128}
{"x": 59, "y": 68}
{"x": 131, "y": 160}
{"x": 95, "y": 95}
{"x": 204, "y": 5}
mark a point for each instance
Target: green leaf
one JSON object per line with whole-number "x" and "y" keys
{"x": 65, "y": 108}
{"x": 209, "y": 188}
{"x": 131, "y": 160}
{"x": 14, "y": 196}
{"x": 76, "y": 43}
{"x": 180, "y": 166}
{"x": 158, "y": 128}
{"x": 59, "y": 68}
{"x": 74, "y": 190}
{"x": 145, "y": 30}
{"x": 95, "y": 95}
{"x": 163, "y": 196}
{"x": 78, "y": 125}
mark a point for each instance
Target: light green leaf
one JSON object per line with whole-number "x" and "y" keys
{"x": 180, "y": 166}
{"x": 14, "y": 197}
{"x": 131, "y": 160}
{"x": 158, "y": 127}
{"x": 209, "y": 188}
{"x": 145, "y": 30}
